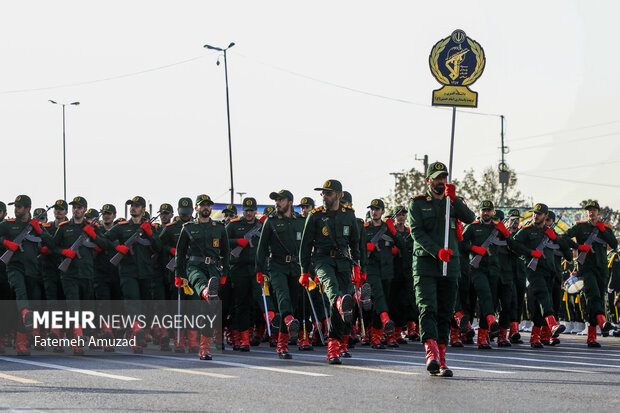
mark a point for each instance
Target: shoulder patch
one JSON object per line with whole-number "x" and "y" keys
{"x": 172, "y": 223}
{"x": 366, "y": 224}
{"x": 120, "y": 223}
{"x": 62, "y": 223}
{"x": 235, "y": 220}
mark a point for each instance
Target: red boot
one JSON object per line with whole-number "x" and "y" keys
{"x": 398, "y": 332}
{"x": 78, "y": 348}
{"x": 344, "y": 347}
{"x": 502, "y": 341}
{"x": 137, "y": 334}
{"x": 282, "y": 348}
{"x": 535, "y": 338}
{"x": 345, "y": 305}
{"x": 388, "y": 325}
{"x": 432, "y": 356}
{"x": 413, "y": 331}
{"x": 483, "y": 339}
{"x": 179, "y": 342}
{"x": 592, "y": 343}
{"x": 455, "y": 337}
{"x": 375, "y": 339}
{"x": 556, "y": 329}
{"x": 192, "y": 341}
{"x": 304, "y": 343}
{"x": 292, "y": 324}
{"x": 493, "y": 326}
{"x": 244, "y": 340}
{"x": 391, "y": 339}
{"x": 234, "y": 339}
{"x": 603, "y": 323}
{"x": 204, "y": 351}
{"x": 545, "y": 335}
{"x": 444, "y": 371}
{"x": 515, "y": 336}
{"x": 333, "y": 351}
{"x": 21, "y": 344}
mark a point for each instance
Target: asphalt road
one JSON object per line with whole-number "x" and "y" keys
{"x": 569, "y": 377}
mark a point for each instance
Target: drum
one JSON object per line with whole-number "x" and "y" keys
{"x": 573, "y": 285}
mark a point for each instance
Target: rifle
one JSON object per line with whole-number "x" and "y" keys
{"x": 81, "y": 241}
{"x": 544, "y": 243}
{"x": 379, "y": 236}
{"x": 25, "y": 234}
{"x": 135, "y": 237}
{"x": 491, "y": 239}
{"x": 254, "y": 232}
{"x": 581, "y": 258}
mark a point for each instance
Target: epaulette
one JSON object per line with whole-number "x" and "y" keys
{"x": 418, "y": 196}
{"x": 348, "y": 207}
{"x": 47, "y": 225}
{"x": 527, "y": 226}
{"x": 235, "y": 219}
{"x": 475, "y": 222}
{"x": 214, "y": 223}
{"x": 366, "y": 224}
{"x": 120, "y": 223}
{"x": 10, "y": 220}
{"x": 581, "y": 222}
{"x": 319, "y": 209}
{"x": 172, "y": 223}
{"x": 62, "y": 223}
{"x": 606, "y": 225}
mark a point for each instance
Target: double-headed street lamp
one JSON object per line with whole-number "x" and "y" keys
{"x": 64, "y": 153}
{"x": 206, "y": 46}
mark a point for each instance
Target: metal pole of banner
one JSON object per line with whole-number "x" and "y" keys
{"x": 447, "y": 228}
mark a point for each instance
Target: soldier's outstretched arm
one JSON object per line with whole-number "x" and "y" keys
{"x": 462, "y": 211}
{"x": 608, "y": 235}
{"x": 517, "y": 243}
{"x": 107, "y": 239}
{"x": 569, "y": 235}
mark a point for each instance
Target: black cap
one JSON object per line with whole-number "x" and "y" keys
{"x": 79, "y": 200}
{"x": 91, "y": 213}
{"x": 62, "y": 204}
{"x": 498, "y": 214}
{"x": 307, "y": 201}
{"x": 540, "y": 209}
{"x": 136, "y": 200}
{"x": 108, "y": 208}
{"x": 185, "y": 206}
{"x": 40, "y": 211}
{"x": 230, "y": 208}
{"x": 330, "y": 185}
{"x": 22, "y": 200}
{"x": 283, "y": 193}
{"x": 249, "y": 204}
{"x": 203, "y": 198}
{"x": 435, "y": 169}
{"x": 514, "y": 213}
{"x": 593, "y": 204}
{"x": 166, "y": 209}
{"x": 377, "y": 203}
{"x": 268, "y": 210}
{"x": 346, "y": 197}
{"x": 551, "y": 216}
{"x": 486, "y": 205}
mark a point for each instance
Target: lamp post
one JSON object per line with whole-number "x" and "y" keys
{"x": 206, "y": 46}
{"x": 64, "y": 152}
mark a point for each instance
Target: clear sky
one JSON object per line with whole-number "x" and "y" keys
{"x": 162, "y": 133}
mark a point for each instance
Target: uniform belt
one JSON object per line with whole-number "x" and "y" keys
{"x": 331, "y": 252}
{"x": 204, "y": 260}
{"x": 285, "y": 258}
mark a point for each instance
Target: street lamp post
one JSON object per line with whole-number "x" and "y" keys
{"x": 64, "y": 152}
{"x": 206, "y": 46}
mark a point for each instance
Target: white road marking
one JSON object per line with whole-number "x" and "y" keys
{"x": 66, "y": 368}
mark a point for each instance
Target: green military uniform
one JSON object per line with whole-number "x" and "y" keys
{"x": 332, "y": 267}
{"x": 5, "y": 290}
{"x": 280, "y": 241}
{"x": 106, "y": 281}
{"x": 539, "y": 296}
{"x": 485, "y": 278}
{"x": 595, "y": 271}
{"x": 50, "y": 263}
{"x": 243, "y": 270}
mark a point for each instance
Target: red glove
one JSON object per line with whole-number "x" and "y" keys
{"x": 69, "y": 253}
{"x": 502, "y": 229}
{"x": 551, "y": 234}
{"x": 356, "y": 275}
{"x": 222, "y": 280}
{"x": 304, "y": 279}
{"x": 242, "y": 242}
{"x": 178, "y": 282}
{"x": 584, "y": 247}
{"x": 45, "y": 251}
{"x": 316, "y": 279}
{"x": 459, "y": 230}
{"x": 536, "y": 254}
{"x": 173, "y": 251}
{"x": 99, "y": 250}
{"x": 390, "y": 225}
{"x": 444, "y": 254}
{"x": 450, "y": 191}
{"x": 122, "y": 249}
{"x": 600, "y": 226}
{"x": 260, "y": 278}
{"x": 90, "y": 231}
{"x": 394, "y": 252}
{"x": 263, "y": 219}
{"x": 146, "y": 227}
{"x": 35, "y": 225}
{"x": 10, "y": 245}
{"x": 370, "y": 247}
{"x": 479, "y": 250}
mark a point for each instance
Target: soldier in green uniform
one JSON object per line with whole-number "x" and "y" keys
{"x": 243, "y": 236}
{"x": 435, "y": 293}
{"x": 280, "y": 241}
{"x": 331, "y": 243}
{"x": 169, "y": 237}
{"x": 526, "y": 242}
{"x": 203, "y": 258}
{"x": 22, "y": 269}
{"x": 50, "y": 262}
{"x": 505, "y": 282}
{"x": 380, "y": 237}
{"x": 77, "y": 281}
{"x": 5, "y": 288}
{"x": 519, "y": 272}
{"x": 230, "y": 213}
{"x": 135, "y": 268}
{"x": 595, "y": 271}
{"x": 485, "y": 277}
{"x": 106, "y": 281}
